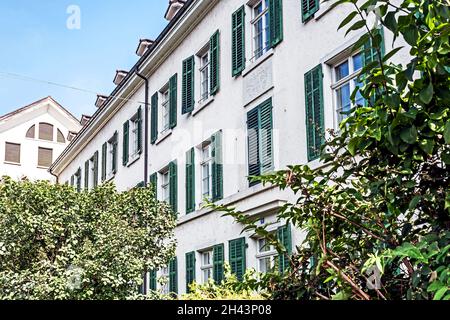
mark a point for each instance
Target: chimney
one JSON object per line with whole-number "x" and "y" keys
{"x": 100, "y": 100}
{"x": 174, "y": 7}
{"x": 120, "y": 75}
{"x": 144, "y": 44}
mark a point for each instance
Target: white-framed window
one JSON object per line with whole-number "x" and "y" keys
{"x": 206, "y": 170}
{"x": 165, "y": 278}
{"x": 260, "y": 28}
{"x": 134, "y": 129}
{"x": 345, "y": 80}
{"x": 266, "y": 255}
{"x": 207, "y": 265}
{"x": 165, "y": 185}
{"x": 204, "y": 74}
{"x": 110, "y": 161}
{"x": 165, "y": 109}
{"x": 91, "y": 172}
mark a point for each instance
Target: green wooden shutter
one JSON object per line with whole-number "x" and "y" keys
{"x": 114, "y": 152}
{"x": 260, "y": 140}
{"x": 237, "y": 257}
{"x": 190, "y": 270}
{"x": 104, "y": 157}
{"x": 126, "y": 143}
{"x": 314, "y": 112}
{"x": 173, "y": 89}
{"x": 188, "y": 94}
{"x": 154, "y": 182}
{"x": 214, "y": 44}
{"x": 78, "y": 175}
{"x": 285, "y": 238}
{"x": 238, "y": 41}
{"x": 254, "y": 167}
{"x": 309, "y": 8}
{"x": 152, "y": 280}
{"x": 154, "y": 119}
{"x": 190, "y": 181}
{"x": 217, "y": 166}
{"x": 72, "y": 181}
{"x": 95, "y": 169}
{"x": 276, "y": 22}
{"x": 139, "y": 130}
{"x": 173, "y": 275}
{"x": 86, "y": 175}
{"x": 218, "y": 262}
{"x": 173, "y": 186}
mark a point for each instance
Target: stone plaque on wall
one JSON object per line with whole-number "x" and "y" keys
{"x": 258, "y": 81}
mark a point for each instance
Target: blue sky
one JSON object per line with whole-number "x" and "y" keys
{"x": 36, "y": 43}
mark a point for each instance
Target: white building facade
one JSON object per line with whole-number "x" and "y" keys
{"x": 230, "y": 89}
{"x": 32, "y": 137}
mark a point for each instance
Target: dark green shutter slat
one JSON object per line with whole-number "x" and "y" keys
{"x": 114, "y": 153}
{"x": 285, "y": 238}
{"x": 217, "y": 166}
{"x": 254, "y": 167}
{"x": 139, "y": 130}
{"x": 95, "y": 169}
{"x": 86, "y": 175}
{"x": 154, "y": 182}
{"x": 237, "y": 257}
{"x": 154, "y": 119}
{"x": 215, "y": 62}
{"x": 190, "y": 181}
{"x": 238, "y": 41}
{"x": 173, "y": 186}
{"x": 276, "y": 22}
{"x": 78, "y": 180}
{"x": 126, "y": 143}
{"x": 309, "y": 8}
{"x": 218, "y": 262}
{"x": 314, "y": 112}
{"x": 188, "y": 94}
{"x": 104, "y": 157}
{"x": 173, "y": 83}
{"x": 173, "y": 275}
{"x": 72, "y": 181}
{"x": 190, "y": 270}
{"x": 152, "y": 280}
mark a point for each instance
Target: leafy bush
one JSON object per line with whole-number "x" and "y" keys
{"x": 56, "y": 243}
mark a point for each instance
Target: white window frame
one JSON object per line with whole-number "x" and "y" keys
{"x": 165, "y": 185}
{"x": 165, "y": 109}
{"x": 206, "y": 162}
{"x": 165, "y": 275}
{"x": 265, "y": 32}
{"x": 205, "y": 69}
{"x": 338, "y": 84}
{"x": 133, "y": 147}
{"x": 110, "y": 158}
{"x": 91, "y": 173}
{"x": 271, "y": 253}
{"x": 207, "y": 267}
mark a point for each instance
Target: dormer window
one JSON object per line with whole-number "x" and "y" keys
{"x": 120, "y": 75}
{"x": 174, "y": 7}
{"x": 100, "y": 101}
{"x": 144, "y": 44}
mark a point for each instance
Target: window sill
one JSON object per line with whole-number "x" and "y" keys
{"x": 110, "y": 177}
{"x": 325, "y": 7}
{"x": 12, "y": 163}
{"x": 164, "y": 136}
{"x": 258, "y": 62}
{"x": 203, "y": 105}
{"x": 42, "y": 167}
{"x": 133, "y": 159}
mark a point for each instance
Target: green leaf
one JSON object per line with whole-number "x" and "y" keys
{"x": 391, "y": 53}
{"x": 352, "y": 145}
{"x": 440, "y": 293}
{"x": 390, "y": 22}
{"x": 356, "y": 26}
{"x": 409, "y": 135}
{"x": 426, "y": 95}
{"x": 349, "y": 18}
{"x": 427, "y": 146}
{"x": 447, "y": 132}
{"x": 413, "y": 203}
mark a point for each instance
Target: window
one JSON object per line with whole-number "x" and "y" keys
{"x": 266, "y": 255}
{"x": 261, "y": 28}
{"x": 165, "y": 185}
{"x": 92, "y": 172}
{"x": 111, "y": 156}
{"x": 206, "y": 165}
{"x": 45, "y": 157}
{"x": 31, "y": 132}
{"x": 12, "y": 152}
{"x": 60, "y": 137}
{"x": 165, "y": 109}
{"x": 134, "y": 137}
{"x": 165, "y": 276}
{"x": 207, "y": 265}
{"x": 204, "y": 74}
{"x": 346, "y": 80}
{"x": 46, "y": 131}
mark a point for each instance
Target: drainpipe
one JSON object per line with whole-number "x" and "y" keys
{"x": 146, "y": 130}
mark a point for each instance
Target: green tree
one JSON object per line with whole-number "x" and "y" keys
{"x": 56, "y": 243}
{"x": 381, "y": 200}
